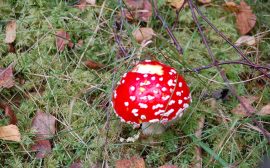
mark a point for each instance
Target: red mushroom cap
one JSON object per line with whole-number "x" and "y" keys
{"x": 150, "y": 92}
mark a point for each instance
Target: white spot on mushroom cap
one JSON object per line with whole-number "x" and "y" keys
{"x": 163, "y": 89}
{"x": 178, "y": 93}
{"x": 155, "y": 91}
{"x": 170, "y": 73}
{"x": 126, "y": 104}
{"x": 157, "y": 85}
{"x": 168, "y": 113}
{"x": 137, "y": 79}
{"x": 145, "y": 83}
{"x": 114, "y": 94}
{"x": 165, "y": 98}
{"x": 185, "y": 105}
{"x": 149, "y": 97}
{"x": 132, "y": 88}
{"x": 135, "y": 112}
{"x": 148, "y": 69}
{"x": 171, "y": 102}
{"x": 153, "y": 78}
{"x": 180, "y": 101}
{"x": 173, "y": 71}
{"x": 145, "y": 75}
{"x": 147, "y": 60}
{"x": 125, "y": 74}
{"x": 157, "y": 106}
{"x": 170, "y": 83}
{"x": 161, "y": 79}
{"x": 159, "y": 112}
{"x": 142, "y": 105}
{"x": 123, "y": 81}
{"x": 143, "y": 97}
{"x": 180, "y": 84}
{"x": 143, "y": 117}
{"x": 132, "y": 98}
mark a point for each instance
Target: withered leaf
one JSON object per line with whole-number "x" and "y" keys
{"x": 6, "y": 77}
{"x": 231, "y": 6}
{"x": 62, "y": 40}
{"x": 247, "y": 101}
{"x": 43, "y": 148}
{"x": 44, "y": 125}
{"x": 245, "y": 19}
{"x": 91, "y": 2}
{"x": 143, "y": 34}
{"x": 93, "y": 65}
{"x": 10, "y": 31}
{"x": 10, "y": 132}
{"x": 77, "y": 164}
{"x": 141, "y": 12}
{"x": 9, "y": 113}
{"x": 246, "y": 40}
{"x": 177, "y": 4}
{"x": 134, "y": 4}
{"x": 204, "y": 1}
{"x": 265, "y": 110}
{"x": 134, "y": 162}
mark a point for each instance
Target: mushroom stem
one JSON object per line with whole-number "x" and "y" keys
{"x": 153, "y": 128}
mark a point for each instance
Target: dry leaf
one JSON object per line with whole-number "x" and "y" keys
{"x": 10, "y": 31}
{"x": 91, "y": 2}
{"x": 168, "y": 166}
{"x": 240, "y": 110}
{"x": 77, "y": 164}
{"x": 265, "y": 110}
{"x": 231, "y": 6}
{"x": 44, "y": 125}
{"x": 62, "y": 40}
{"x": 134, "y": 162}
{"x": 141, "y": 11}
{"x": 246, "y": 40}
{"x": 143, "y": 34}
{"x": 9, "y": 113}
{"x": 10, "y": 132}
{"x": 43, "y": 148}
{"x": 6, "y": 77}
{"x": 134, "y": 4}
{"x": 205, "y": 1}
{"x": 245, "y": 19}
{"x": 177, "y": 4}
{"x": 93, "y": 65}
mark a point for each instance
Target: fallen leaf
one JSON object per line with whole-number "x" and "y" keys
{"x": 204, "y": 1}
{"x": 77, "y": 164}
{"x": 265, "y": 110}
{"x": 168, "y": 166}
{"x": 246, "y": 40}
{"x": 10, "y": 31}
{"x": 6, "y": 77}
{"x": 231, "y": 6}
{"x": 247, "y": 101}
{"x": 43, "y": 148}
{"x": 141, "y": 11}
{"x": 91, "y": 2}
{"x": 143, "y": 34}
{"x": 134, "y": 4}
{"x": 177, "y": 4}
{"x": 44, "y": 125}
{"x": 62, "y": 40}
{"x": 9, "y": 113}
{"x": 93, "y": 65}
{"x": 134, "y": 162}
{"x": 245, "y": 19}
{"x": 10, "y": 132}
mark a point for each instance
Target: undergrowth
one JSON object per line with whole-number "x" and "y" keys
{"x": 60, "y": 84}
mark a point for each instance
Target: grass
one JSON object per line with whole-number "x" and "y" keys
{"x": 58, "y": 83}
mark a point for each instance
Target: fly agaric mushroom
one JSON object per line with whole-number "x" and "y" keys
{"x": 151, "y": 92}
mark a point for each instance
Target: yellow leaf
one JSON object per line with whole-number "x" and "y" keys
{"x": 10, "y": 31}
{"x": 246, "y": 40}
{"x": 10, "y": 132}
{"x": 265, "y": 110}
{"x": 177, "y": 4}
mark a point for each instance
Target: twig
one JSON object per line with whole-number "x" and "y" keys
{"x": 223, "y": 74}
{"x": 198, "y": 149}
{"x": 228, "y": 62}
{"x": 177, "y": 12}
{"x": 228, "y": 41}
{"x": 169, "y": 31}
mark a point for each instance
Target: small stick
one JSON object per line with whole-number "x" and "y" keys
{"x": 198, "y": 149}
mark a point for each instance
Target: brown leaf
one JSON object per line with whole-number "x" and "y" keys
{"x": 240, "y": 110}
{"x": 77, "y": 164}
{"x": 9, "y": 113}
{"x": 93, "y": 65}
{"x": 10, "y": 31}
{"x": 6, "y": 77}
{"x": 141, "y": 11}
{"x": 10, "y": 132}
{"x": 204, "y": 1}
{"x": 231, "y": 6}
{"x": 168, "y": 166}
{"x": 134, "y": 162}
{"x": 44, "y": 125}
{"x": 246, "y": 40}
{"x": 91, "y": 2}
{"x": 143, "y": 34}
{"x": 265, "y": 110}
{"x": 245, "y": 19}
{"x": 177, "y": 4}
{"x": 134, "y": 4}
{"x": 62, "y": 40}
{"x": 83, "y": 4}
{"x": 43, "y": 148}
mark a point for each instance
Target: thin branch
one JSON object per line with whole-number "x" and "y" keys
{"x": 169, "y": 31}
{"x": 223, "y": 74}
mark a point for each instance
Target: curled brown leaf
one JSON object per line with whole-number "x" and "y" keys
{"x": 6, "y": 77}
